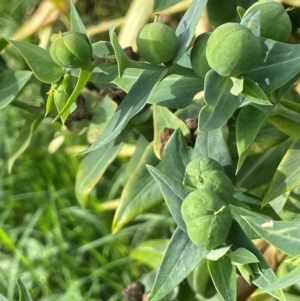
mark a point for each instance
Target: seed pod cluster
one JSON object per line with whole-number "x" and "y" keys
{"x": 205, "y": 211}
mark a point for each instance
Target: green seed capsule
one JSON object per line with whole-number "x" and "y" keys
{"x": 232, "y": 49}
{"x": 157, "y": 43}
{"x": 207, "y": 218}
{"x": 71, "y": 49}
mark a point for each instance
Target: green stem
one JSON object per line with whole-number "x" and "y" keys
{"x": 25, "y": 106}
{"x": 285, "y": 112}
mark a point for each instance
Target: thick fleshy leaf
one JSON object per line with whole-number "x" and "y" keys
{"x": 249, "y": 122}
{"x": 181, "y": 257}
{"x": 93, "y": 166}
{"x": 164, "y": 118}
{"x": 187, "y": 26}
{"x": 242, "y": 256}
{"x": 39, "y": 61}
{"x": 287, "y": 175}
{"x": 174, "y": 193}
{"x": 160, "y": 5}
{"x": 218, "y": 253}
{"x": 121, "y": 57}
{"x": 176, "y": 91}
{"x": 76, "y": 22}
{"x": 23, "y": 139}
{"x": 252, "y": 92}
{"x": 11, "y": 83}
{"x": 134, "y": 102}
{"x": 285, "y": 236}
{"x": 176, "y": 156}
{"x": 24, "y": 294}
{"x": 289, "y": 279}
{"x": 205, "y": 147}
{"x": 140, "y": 193}
{"x": 83, "y": 78}
{"x": 150, "y": 252}
{"x": 220, "y": 102}
{"x": 256, "y": 177}
{"x": 266, "y": 276}
{"x": 223, "y": 275}
{"x": 279, "y": 63}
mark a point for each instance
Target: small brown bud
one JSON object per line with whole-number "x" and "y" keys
{"x": 134, "y": 291}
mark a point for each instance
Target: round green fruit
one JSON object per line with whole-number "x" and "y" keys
{"x": 157, "y": 43}
{"x": 207, "y": 218}
{"x": 232, "y": 49}
{"x": 275, "y": 22}
{"x": 71, "y": 49}
{"x": 200, "y": 165}
{"x": 198, "y": 55}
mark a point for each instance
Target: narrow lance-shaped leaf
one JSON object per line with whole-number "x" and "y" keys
{"x": 252, "y": 92}
{"x": 139, "y": 194}
{"x": 134, "y": 102}
{"x": 220, "y": 102}
{"x": 23, "y": 139}
{"x": 160, "y": 5}
{"x": 181, "y": 257}
{"x": 39, "y": 61}
{"x": 93, "y": 166}
{"x": 187, "y": 25}
{"x": 289, "y": 279}
{"x": 284, "y": 235}
{"x": 223, "y": 275}
{"x": 266, "y": 276}
{"x": 11, "y": 83}
{"x": 287, "y": 175}
{"x": 279, "y": 63}
{"x": 174, "y": 193}
{"x": 24, "y": 294}
{"x": 249, "y": 122}
{"x": 176, "y": 156}
{"x": 164, "y": 118}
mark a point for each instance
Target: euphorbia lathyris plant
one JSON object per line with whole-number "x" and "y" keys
{"x": 218, "y": 179}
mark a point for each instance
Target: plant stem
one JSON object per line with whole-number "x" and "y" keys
{"x": 25, "y": 106}
{"x": 285, "y": 112}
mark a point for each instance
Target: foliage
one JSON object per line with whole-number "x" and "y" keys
{"x": 134, "y": 141}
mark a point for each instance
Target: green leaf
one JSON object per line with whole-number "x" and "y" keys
{"x": 249, "y": 122}
{"x": 24, "y": 294}
{"x": 173, "y": 192}
{"x": 160, "y": 5}
{"x": 134, "y": 102}
{"x": 23, "y": 139}
{"x": 187, "y": 26}
{"x": 93, "y": 166}
{"x": 257, "y": 171}
{"x": 39, "y": 61}
{"x": 218, "y": 253}
{"x": 279, "y": 63}
{"x": 252, "y": 92}
{"x": 176, "y": 156}
{"x": 287, "y": 175}
{"x": 83, "y": 78}
{"x": 76, "y": 23}
{"x": 150, "y": 252}
{"x": 121, "y": 57}
{"x": 139, "y": 194}
{"x": 220, "y": 103}
{"x": 266, "y": 276}
{"x": 205, "y": 147}
{"x": 164, "y": 118}
{"x": 223, "y": 275}
{"x": 181, "y": 257}
{"x": 246, "y": 272}
{"x": 242, "y": 256}
{"x": 11, "y": 83}
{"x": 176, "y": 91}
{"x": 289, "y": 279}
{"x": 285, "y": 236}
